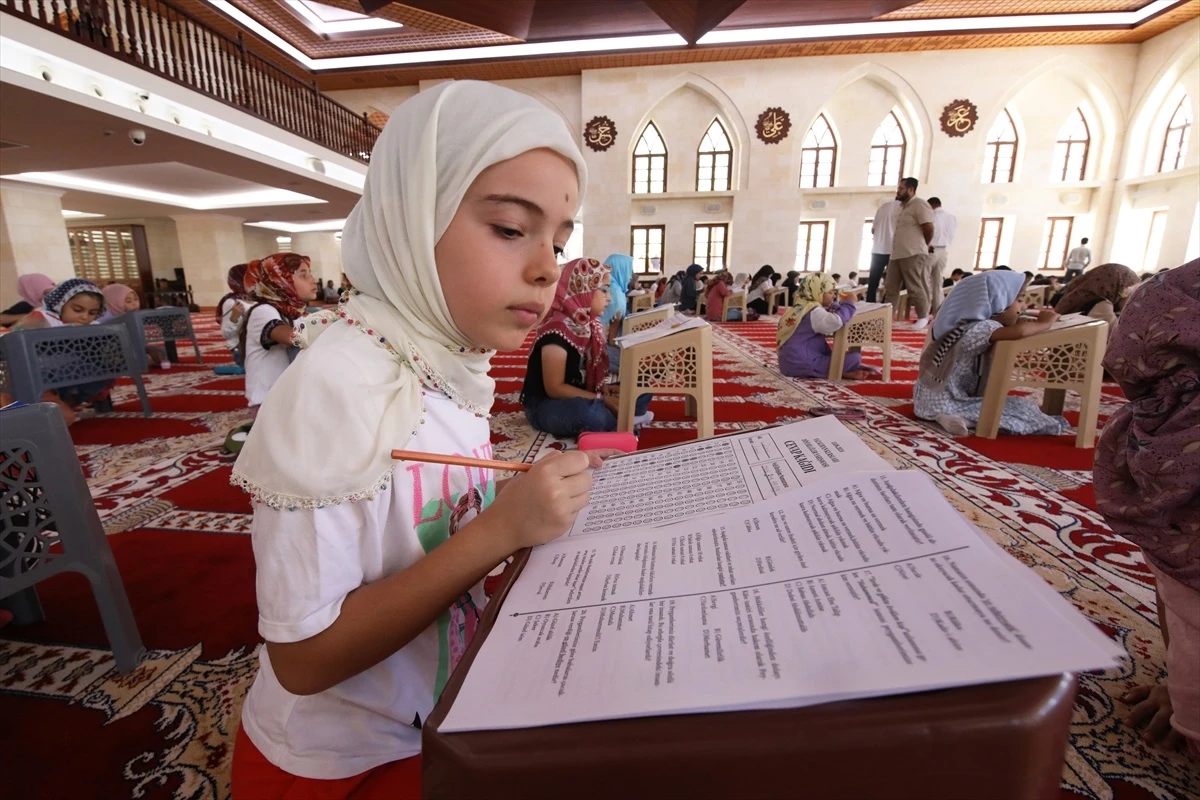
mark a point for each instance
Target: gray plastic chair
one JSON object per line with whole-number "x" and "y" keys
{"x": 38, "y": 360}
{"x": 45, "y": 502}
{"x": 166, "y": 324}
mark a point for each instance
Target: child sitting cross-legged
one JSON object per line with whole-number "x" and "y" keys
{"x": 982, "y": 309}
{"x": 800, "y": 337}
{"x": 565, "y": 392}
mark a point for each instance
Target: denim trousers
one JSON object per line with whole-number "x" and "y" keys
{"x": 568, "y": 417}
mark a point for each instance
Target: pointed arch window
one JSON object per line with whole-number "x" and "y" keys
{"x": 818, "y": 155}
{"x": 714, "y": 165}
{"x": 1000, "y": 159}
{"x": 1071, "y": 150}
{"x": 650, "y": 162}
{"x": 887, "y": 153}
{"x": 1175, "y": 144}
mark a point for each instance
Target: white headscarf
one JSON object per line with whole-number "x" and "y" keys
{"x": 325, "y": 433}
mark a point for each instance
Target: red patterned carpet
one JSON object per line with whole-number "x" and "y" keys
{"x": 77, "y": 729}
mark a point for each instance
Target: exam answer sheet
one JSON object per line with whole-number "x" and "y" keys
{"x": 660, "y": 487}
{"x": 859, "y": 585}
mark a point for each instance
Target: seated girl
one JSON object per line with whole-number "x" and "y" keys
{"x": 800, "y": 337}
{"x": 690, "y": 289}
{"x": 621, "y": 279}
{"x": 1147, "y": 482}
{"x": 1099, "y": 293}
{"x": 759, "y": 284}
{"x": 119, "y": 299}
{"x": 720, "y": 287}
{"x": 32, "y": 288}
{"x": 565, "y": 392}
{"x": 671, "y": 292}
{"x": 982, "y": 309}
{"x": 231, "y": 307}
{"x": 281, "y": 285}
{"x": 73, "y": 302}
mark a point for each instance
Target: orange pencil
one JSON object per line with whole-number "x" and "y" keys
{"x": 458, "y": 461}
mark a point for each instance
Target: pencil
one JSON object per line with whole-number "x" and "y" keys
{"x": 459, "y": 461}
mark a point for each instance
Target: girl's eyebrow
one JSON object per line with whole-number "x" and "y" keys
{"x": 528, "y": 205}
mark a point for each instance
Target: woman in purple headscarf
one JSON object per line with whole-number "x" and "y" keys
{"x": 1147, "y": 482}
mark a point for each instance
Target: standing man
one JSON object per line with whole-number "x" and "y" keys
{"x": 882, "y": 228}
{"x": 1078, "y": 259}
{"x": 910, "y": 250}
{"x": 944, "y": 227}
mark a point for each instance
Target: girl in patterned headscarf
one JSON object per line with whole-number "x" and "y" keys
{"x": 1099, "y": 293}
{"x": 1147, "y": 481}
{"x": 800, "y": 337}
{"x": 281, "y": 284}
{"x": 73, "y": 302}
{"x": 564, "y": 392}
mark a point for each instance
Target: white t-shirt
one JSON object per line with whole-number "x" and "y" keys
{"x": 229, "y": 328}
{"x": 309, "y": 560}
{"x": 885, "y": 227}
{"x": 1079, "y": 258}
{"x": 263, "y": 365}
{"x": 945, "y": 225}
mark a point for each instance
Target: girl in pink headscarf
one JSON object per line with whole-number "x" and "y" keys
{"x": 32, "y": 288}
{"x": 1147, "y": 483}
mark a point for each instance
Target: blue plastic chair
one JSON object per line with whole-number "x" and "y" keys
{"x": 35, "y": 361}
{"x": 49, "y": 525}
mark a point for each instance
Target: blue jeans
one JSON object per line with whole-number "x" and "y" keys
{"x": 614, "y": 359}
{"x": 567, "y": 417}
{"x": 879, "y": 262}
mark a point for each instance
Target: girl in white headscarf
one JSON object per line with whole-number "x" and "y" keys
{"x": 369, "y": 571}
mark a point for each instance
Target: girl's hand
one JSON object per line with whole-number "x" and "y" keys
{"x": 1047, "y": 315}
{"x": 540, "y": 505}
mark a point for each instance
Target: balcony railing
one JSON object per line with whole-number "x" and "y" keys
{"x": 160, "y": 38}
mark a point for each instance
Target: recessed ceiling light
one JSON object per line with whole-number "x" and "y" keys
{"x": 349, "y": 21}
{"x": 263, "y": 197}
{"x": 78, "y": 214}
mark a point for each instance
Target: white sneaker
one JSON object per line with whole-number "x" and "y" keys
{"x": 921, "y": 324}
{"x": 644, "y": 419}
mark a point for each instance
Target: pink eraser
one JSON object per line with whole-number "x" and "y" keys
{"x": 624, "y": 441}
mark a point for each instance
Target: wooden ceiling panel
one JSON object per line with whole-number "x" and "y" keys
{"x": 766, "y": 13}
{"x": 929, "y": 9}
{"x": 547, "y": 67}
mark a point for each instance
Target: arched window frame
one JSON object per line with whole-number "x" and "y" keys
{"x": 813, "y": 152}
{"x": 889, "y": 155}
{"x": 1069, "y": 148}
{"x": 999, "y": 149}
{"x": 711, "y": 160}
{"x": 648, "y": 161}
{"x": 1175, "y": 140}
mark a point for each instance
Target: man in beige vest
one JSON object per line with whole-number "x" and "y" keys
{"x": 910, "y": 250}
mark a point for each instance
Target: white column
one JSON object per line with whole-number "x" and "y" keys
{"x": 33, "y": 237}
{"x": 209, "y": 245}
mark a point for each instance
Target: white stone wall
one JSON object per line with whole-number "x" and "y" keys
{"x": 33, "y": 237}
{"x": 1122, "y": 90}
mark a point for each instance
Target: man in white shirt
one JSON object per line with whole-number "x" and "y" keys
{"x": 910, "y": 250}
{"x": 945, "y": 225}
{"x": 883, "y": 227}
{"x": 1078, "y": 259}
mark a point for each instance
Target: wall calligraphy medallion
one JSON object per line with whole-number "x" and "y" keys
{"x": 600, "y": 133}
{"x": 959, "y": 118}
{"x": 773, "y": 125}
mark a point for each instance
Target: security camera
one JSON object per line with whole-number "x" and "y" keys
{"x": 137, "y": 136}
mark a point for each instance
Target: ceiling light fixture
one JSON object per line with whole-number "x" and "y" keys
{"x": 903, "y": 27}
{"x": 265, "y": 197}
{"x": 352, "y": 24}
{"x": 301, "y": 227}
{"x": 79, "y": 214}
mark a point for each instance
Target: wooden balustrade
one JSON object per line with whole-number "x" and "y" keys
{"x": 160, "y": 38}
